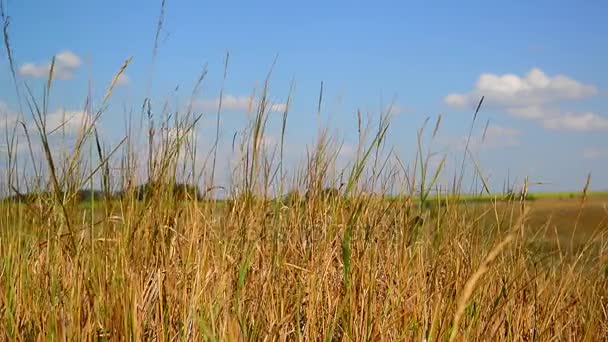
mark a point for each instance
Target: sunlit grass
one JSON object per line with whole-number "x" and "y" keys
{"x": 345, "y": 258}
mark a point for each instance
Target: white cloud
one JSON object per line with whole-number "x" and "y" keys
{"x": 533, "y": 89}
{"x": 498, "y": 136}
{"x": 495, "y": 137}
{"x": 595, "y": 153}
{"x": 456, "y": 100}
{"x": 235, "y": 103}
{"x": 531, "y": 97}
{"x": 530, "y": 112}
{"x": 8, "y": 117}
{"x": 34, "y": 70}
{"x": 69, "y": 121}
{"x": 555, "y": 119}
{"x": 66, "y": 62}
{"x": 229, "y": 102}
{"x": 58, "y": 122}
{"x": 68, "y": 59}
{"x": 581, "y": 122}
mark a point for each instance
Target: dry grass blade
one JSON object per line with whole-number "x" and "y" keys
{"x": 466, "y": 147}
{"x": 485, "y": 131}
{"x": 115, "y": 79}
{"x": 486, "y": 187}
{"x": 469, "y": 286}
{"x": 218, "y": 116}
{"x": 9, "y": 52}
{"x": 437, "y": 123}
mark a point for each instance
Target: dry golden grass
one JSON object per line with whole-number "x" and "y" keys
{"x": 330, "y": 265}
{"x": 254, "y": 271}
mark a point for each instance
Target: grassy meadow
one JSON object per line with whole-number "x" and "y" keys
{"x": 384, "y": 254}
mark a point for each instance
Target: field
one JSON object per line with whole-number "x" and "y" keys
{"x": 324, "y": 267}
{"x": 317, "y": 251}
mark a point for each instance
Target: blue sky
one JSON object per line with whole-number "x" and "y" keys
{"x": 541, "y": 66}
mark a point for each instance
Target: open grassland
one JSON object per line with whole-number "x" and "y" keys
{"x": 485, "y": 197}
{"x": 378, "y": 256}
{"x": 363, "y": 268}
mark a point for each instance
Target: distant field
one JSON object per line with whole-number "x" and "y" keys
{"x": 471, "y": 198}
{"x": 533, "y": 196}
{"x": 563, "y": 224}
{"x": 558, "y": 220}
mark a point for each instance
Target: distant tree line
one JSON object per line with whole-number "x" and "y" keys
{"x": 178, "y": 190}
{"x": 140, "y": 192}
{"x": 182, "y": 191}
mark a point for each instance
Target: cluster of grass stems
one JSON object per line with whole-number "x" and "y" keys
{"x": 384, "y": 256}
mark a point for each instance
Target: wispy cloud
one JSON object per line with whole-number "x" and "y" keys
{"x": 68, "y": 121}
{"x": 581, "y": 122}
{"x": 533, "y": 97}
{"x": 555, "y": 119}
{"x": 66, "y": 63}
{"x": 123, "y": 80}
{"x": 494, "y": 137}
{"x": 60, "y": 123}
{"x": 236, "y": 103}
{"x": 595, "y": 153}
{"x": 8, "y": 117}
{"x": 499, "y": 136}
